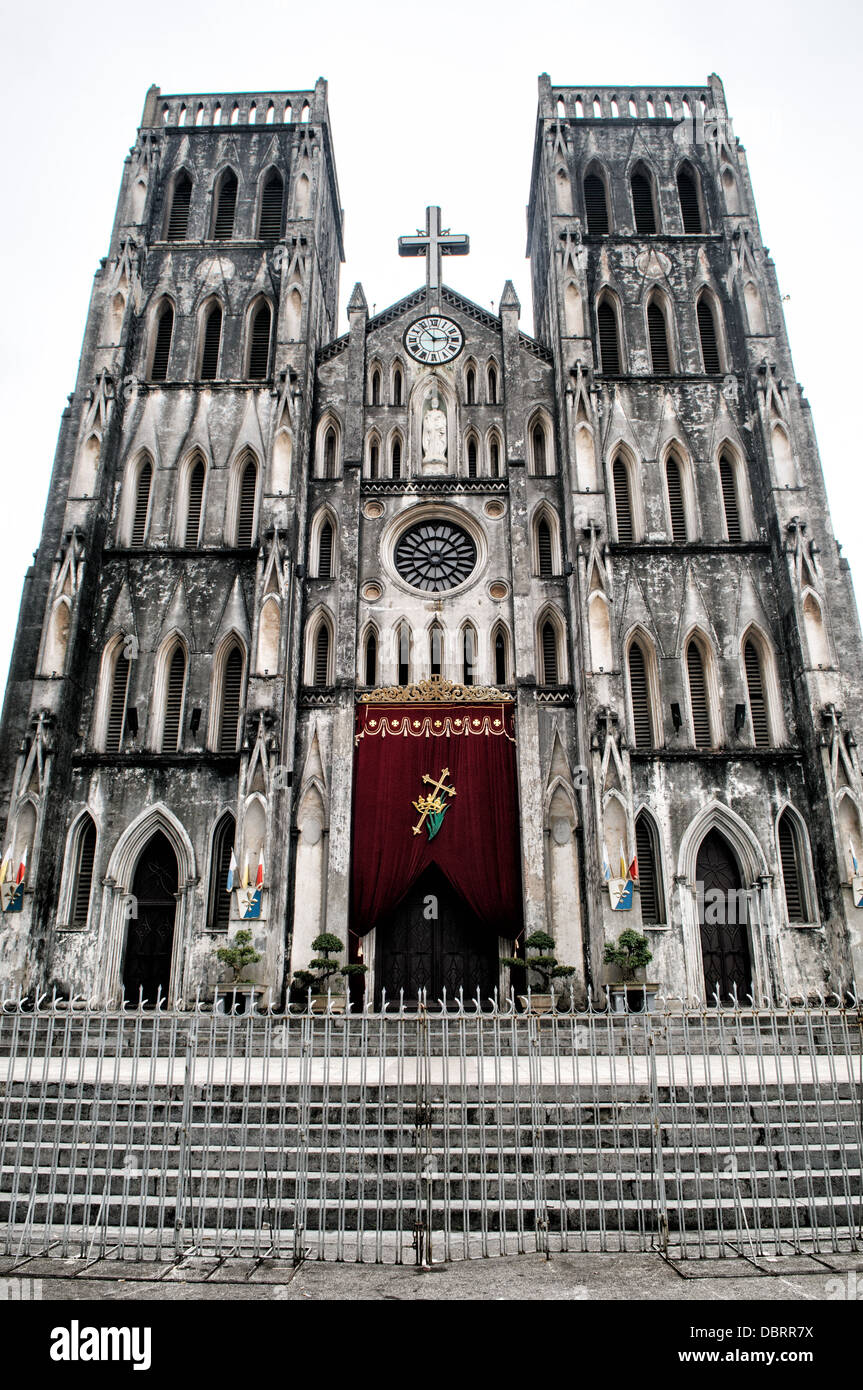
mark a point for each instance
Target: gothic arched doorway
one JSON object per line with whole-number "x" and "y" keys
{"x": 434, "y": 942}
{"x": 723, "y": 921}
{"x": 150, "y": 939}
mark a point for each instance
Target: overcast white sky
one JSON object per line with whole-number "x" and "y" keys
{"x": 430, "y": 103}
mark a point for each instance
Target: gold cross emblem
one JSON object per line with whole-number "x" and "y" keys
{"x": 434, "y": 803}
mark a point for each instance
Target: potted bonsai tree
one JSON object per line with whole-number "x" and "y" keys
{"x": 545, "y": 965}
{"x": 629, "y": 954}
{"x": 319, "y": 977}
{"x": 240, "y": 954}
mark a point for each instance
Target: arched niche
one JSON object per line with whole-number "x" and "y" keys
{"x": 782, "y": 458}
{"x": 585, "y": 459}
{"x": 269, "y": 630}
{"x": 600, "y": 634}
{"x": 57, "y": 640}
{"x": 87, "y": 467}
{"x": 423, "y": 393}
{"x": 283, "y": 453}
{"x": 573, "y": 311}
{"x": 254, "y": 834}
{"x": 754, "y": 309}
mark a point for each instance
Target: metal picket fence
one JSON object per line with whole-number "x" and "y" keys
{"x": 447, "y": 1132}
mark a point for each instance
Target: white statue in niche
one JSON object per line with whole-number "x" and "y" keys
{"x": 434, "y": 433}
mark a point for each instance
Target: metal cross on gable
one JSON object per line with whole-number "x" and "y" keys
{"x": 433, "y": 244}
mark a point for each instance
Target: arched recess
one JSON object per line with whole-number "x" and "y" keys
{"x": 269, "y": 636}
{"x": 645, "y": 207}
{"x": 850, "y": 831}
{"x": 87, "y": 467}
{"x": 730, "y": 190}
{"x": 368, "y": 655}
{"x": 396, "y": 449}
{"x": 711, "y": 332}
{"x": 118, "y": 894}
{"x": 679, "y": 493}
{"x": 227, "y": 687}
{"x": 783, "y": 460}
{"x": 373, "y": 455}
{"x": 53, "y": 661}
{"x": 659, "y": 320}
{"x": 702, "y": 687}
{"x": 139, "y": 200}
{"x": 397, "y": 382}
{"x": 469, "y": 381}
{"x": 403, "y": 645}
{"x": 328, "y": 446}
{"x": 563, "y": 191}
{"x": 494, "y": 453}
{"x": 651, "y": 877}
{"x": 573, "y": 311}
{"x": 323, "y": 547}
{"x": 734, "y": 490}
{"x": 758, "y": 660}
{"x": 294, "y": 315}
{"x": 615, "y": 828}
{"x": 540, "y": 445}
{"x": 218, "y": 897}
{"x": 585, "y": 457}
{"x": 599, "y": 624}
{"x": 626, "y": 495}
{"x": 545, "y": 542}
{"x": 492, "y": 383}
{"x": 109, "y": 722}
{"x": 817, "y": 640}
{"x": 690, "y": 198}
{"x": 596, "y": 200}
{"x": 283, "y": 453}
{"x": 169, "y": 694}
{"x": 754, "y": 308}
{"x": 437, "y": 653}
{"x": 501, "y": 654}
{"x": 551, "y": 663}
{"x": 320, "y": 648}
{"x": 302, "y": 197}
{"x": 254, "y": 833}
{"x": 189, "y": 512}
{"x": 563, "y": 891}
{"x": 310, "y": 884}
{"x": 795, "y": 863}
{"x": 609, "y": 324}
{"x": 76, "y": 890}
{"x": 114, "y": 315}
{"x": 161, "y": 337}
{"x": 472, "y": 454}
{"x": 645, "y": 702}
{"x": 468, "y": 654}
{"x": 241, "y": 521}
{"x": 375, "y": 387}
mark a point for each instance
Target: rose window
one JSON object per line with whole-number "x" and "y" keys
{"x": 435, "y": 555}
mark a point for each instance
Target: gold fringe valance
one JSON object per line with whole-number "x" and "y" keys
{"x": 436, "y": 689}
{"x": 431, "y": 724}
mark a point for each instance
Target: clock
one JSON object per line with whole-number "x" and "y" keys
{"x": 434, "y": 340}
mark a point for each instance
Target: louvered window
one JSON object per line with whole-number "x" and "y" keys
{"x": 689, "y": 209}
{"x": 436, "y": 650}
{"x": 212, "y": 340}
{"x": 219, "y": 912}
{"x": 757, "y": 702}
{"x": 246, "y": 509}
{"x": 642, "y": 205}
{"x": 729, "y": 499}
{"x": 543, "y": 549}
{"x": 178, "y": 222}
{"x": 471, "y": 458}
{"x": 196, "y": 497}
{"x": 397, "y": 386}
{"x": 539, "y": 451}
{"x": 707, "y": 334}
{"x": 698, "y": 697}
{"x": 404, "y": 655}
{"x": 270, "y": 225}
{"x": 470, "y": 386}
{"x": 595, "y": 205}
{"x": 549, "y": 654}
{"x": 640, "y": 697}
{"x": 469, "y": 656}
{"x": 652, "y": 905}
{"x": 325, "y": 552}
{"x": 492, "y": 386}
{"x": 142, "y": 503}
{"x": 174, "y": 701}
{"x": 792, "y": 869}
{"x": 657, "y": 332}
{"x": 330, "y": 453}
{"x": 117, "y": 706}
{"x": 622, "y": 501}
{"x": 86, "y": 853}
{"x": 371, "y": 659}
{"x": 162, "y": 350}
{"x": 675, "y": 499}
{"x": 609, "y": 347}
{"x": 376, "y": 388}
{"x": 494, "y": 458}
{"x": 223, "y": 228}
{"x": 322, "y": 655}
{"x": 397, "y": 459}
{"x": 374, "y": 457}
{"x": 500, "y": 658}
{"x": 259, "y": 347}
{"x": 232, "y": 681}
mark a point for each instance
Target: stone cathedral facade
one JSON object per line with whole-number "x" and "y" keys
{"x": 581, "y": 584}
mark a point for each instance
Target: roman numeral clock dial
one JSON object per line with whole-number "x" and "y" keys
{"x": 434, "y": 340}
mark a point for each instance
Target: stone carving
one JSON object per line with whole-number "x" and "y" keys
{"x": 434, "y": 689}
{"x": 434, "y": 433}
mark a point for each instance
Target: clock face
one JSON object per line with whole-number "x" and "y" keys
{"x": 434, "y": 340}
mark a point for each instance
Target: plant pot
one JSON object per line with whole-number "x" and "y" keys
{"x": 537, "y": 1004}
{"x": 631, "y": 996}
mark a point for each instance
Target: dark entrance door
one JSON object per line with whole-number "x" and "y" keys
{"x": 418, "y": 950}
{"x": 724, "y": 932}
{"x": 150, "y": 941}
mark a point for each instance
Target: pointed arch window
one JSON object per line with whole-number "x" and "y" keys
{"x": 404, "y": 654}
{"x": 398, "y": 386}
{"x": 622, "y": 501}
{"x": 175, "y": 691}
{"x": 471, "y": 457}
{"x": 370, "y": 671}
{"x": 500, "y": 662}
{"x": 229, "y": 713}
{"x": 540, "y": 452}
{"x": 322, "y": 655}
{"x": 550, "y": 664}
{"x": 219, "y": 899}
{"x": 259, "y": 342}
{"x": 469, "y": 656}
{"x": 690, "y": 211}
{"x": 397, "y": 458}
{"x": 246, "y": 507}
{"x": 117, "y": 701}
{"x": 181, "y": 199}
{"x": 272, "y": 199}
{"x": 142, "y": 503}
{"x": 212, "y": 343}
{"x": 649, "y": 875}
{"x": 470, "y": 386}
{"x": 643, "y": 207}
{"x": 82, "y": 880}
{"x": 676, "y": 508}
{"x": 494, "y": 457}
{"x": 596, "y": 205}
{"x": 639, "y": 692}
{"x": 374, "y": 458}
{"x": 753, "y": 667}
{"x": 325, "y": 551}
{"x": 609, "y": 342}
{"x": 376, "y": 387}
{"x": 730, "y": 501}
{"x": 657, "y": 333}
{"x": 698, "y": 696}
{"x": 195, "y": 503}
{"x": 436, "y": 649}
{"x": 492, "y": 384}
{"x": 330, "y": 452}
{"x": 708, "y": 336}
{"x": 226, "y": 205}
{"x": 545, "y": 560}
{"x": 793, "y": 863}
{"x": 162, "y": 348}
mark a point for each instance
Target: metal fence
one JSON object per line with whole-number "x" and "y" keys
{"x": 443, "y": 1133}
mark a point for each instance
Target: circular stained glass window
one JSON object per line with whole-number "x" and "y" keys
{"x": 435, "y": 555}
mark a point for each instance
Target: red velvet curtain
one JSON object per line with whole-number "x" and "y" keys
{"x": 477, "y": 845}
